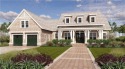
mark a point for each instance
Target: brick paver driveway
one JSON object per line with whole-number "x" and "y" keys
{"x": 77, "y": 57}
{"x": 13, "y": 48}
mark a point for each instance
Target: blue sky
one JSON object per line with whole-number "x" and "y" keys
{"x": 113, "y": 9}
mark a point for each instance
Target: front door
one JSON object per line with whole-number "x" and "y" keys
{"x": 80, "y": 37}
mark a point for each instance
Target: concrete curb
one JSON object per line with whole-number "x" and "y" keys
{"x": 93, "y": 59}
{"x": 56, "y": 59}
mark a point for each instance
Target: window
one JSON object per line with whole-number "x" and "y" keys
{"x": 92, "y": 18}
{"x": 24, "y": 24}
{"x": 93, "y": 35}
{"x": 79, "y": 19}
{"x": 104, "y": 36}
{"x": 67, "y": 35}
{"x": 67, "y": 20}
{"x": 56, "y": 35}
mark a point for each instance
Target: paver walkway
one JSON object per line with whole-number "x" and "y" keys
{"x": 77, "y": 57}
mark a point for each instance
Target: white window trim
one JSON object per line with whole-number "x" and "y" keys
{"x": 92, "y": 33}
{"x": 24, "y": 23}
{"x": 78, "y": 20}
{"x": 67, "y": 35}
{"x": 68, "y": 18}
{"x": 105, "y": 33}
{"x": 91, "y": 20}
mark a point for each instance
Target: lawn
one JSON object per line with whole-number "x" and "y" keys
{"x": 52, "y": 51}
{"x": 115, "y": 51}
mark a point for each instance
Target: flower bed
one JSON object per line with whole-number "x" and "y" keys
{"x": 109, "y": 61}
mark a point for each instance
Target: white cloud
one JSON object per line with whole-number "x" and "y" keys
{"x": 78, "y": 0}
{"x": 79, "y": 5}
{"x": 48, "y": 0}
{"x": 45, "y": 16}
{"x": 109, "y": 2}
{"x": 37, "y": 1}
{"x": 9, "y": 16}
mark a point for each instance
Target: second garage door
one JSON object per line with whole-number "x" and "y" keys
{"x": 31, "y": 40}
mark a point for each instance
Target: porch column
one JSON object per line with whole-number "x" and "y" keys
{"x": 59, "y": 34}
{"x": 73, "y": 35}
{"x": 85, "y": 36}
{"x": 24, "y": 39}
{"x": 88, "y": 34}
{"x": 100, "y": 34}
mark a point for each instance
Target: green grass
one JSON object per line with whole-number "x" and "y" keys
{"x": 115, "y": 51}
{"x": 52, "y": 51}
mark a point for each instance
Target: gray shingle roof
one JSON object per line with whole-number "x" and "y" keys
{"x": 52, "y": 24}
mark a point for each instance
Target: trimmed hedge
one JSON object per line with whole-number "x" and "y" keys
{"x": 57, "y": 42}
{"x": 105, "y": 43}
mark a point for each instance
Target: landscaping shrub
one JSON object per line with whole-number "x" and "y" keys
{"x": 109, "y": 61}
{"x": 105, "y": 43}
{"x": 4, "y": 39}
{"x": 41, "y": 58}
{"x": 90, "y": 41}
{"x": 20, "y": 65}
{"x": 105, "y": 58}
{"x": 61, "y": 42}
{"x": 49, "y": 43}
{"x": 4, "y": 44}
{"x": 113, "y": 65}
{"x": 114, "y": 44}
{"x": 55, "y": 41}
{"x": 121, "y": 38}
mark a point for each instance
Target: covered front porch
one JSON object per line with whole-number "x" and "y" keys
{"x": 80, "y": 35}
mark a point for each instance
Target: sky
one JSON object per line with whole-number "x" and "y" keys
{"x": 114, "y": 10}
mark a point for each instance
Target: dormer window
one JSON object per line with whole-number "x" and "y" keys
{"x": 24, "y": 24}
{"x": 92, "y": 18}
{"x": 67, "y": 20}
{"x": 79, "y": 19}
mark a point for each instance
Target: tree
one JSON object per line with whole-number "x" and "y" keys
{"x": 4, "y": 27}
{"x": 121, "y": 29}
{"x": 113, "y": 26}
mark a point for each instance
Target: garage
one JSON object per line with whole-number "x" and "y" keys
{"x": 31, "y": 40}
{"x": 18, "y": 39}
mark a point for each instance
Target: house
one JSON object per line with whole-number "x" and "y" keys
{"x": 29, "y": 29}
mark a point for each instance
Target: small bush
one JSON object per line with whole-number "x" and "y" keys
{"x": 90, "y": 41}
{"x": 68, "y": 42}
{"x": 106, "y": 42}
{"x": 49, "y": 43}
{"x": 4, "y": 44}
{"x": 55, "y": 41}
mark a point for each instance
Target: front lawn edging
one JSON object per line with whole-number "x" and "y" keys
{"x": 93, "y": 60}
{"x": 57, "y": 58}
